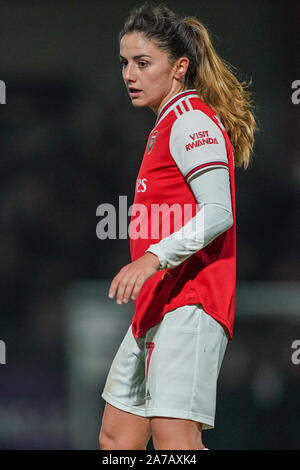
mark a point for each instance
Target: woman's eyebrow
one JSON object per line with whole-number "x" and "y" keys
{"x": 136, "y": 56}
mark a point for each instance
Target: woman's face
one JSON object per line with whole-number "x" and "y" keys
{"x": 148, "y": 75}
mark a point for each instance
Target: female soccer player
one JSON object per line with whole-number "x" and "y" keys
{"x": 162, "y": 382}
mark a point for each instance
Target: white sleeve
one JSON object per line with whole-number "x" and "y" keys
{"x": 198, "y": 148}
{"x": 197, "y": 143}
{"x": 212, "y": 192}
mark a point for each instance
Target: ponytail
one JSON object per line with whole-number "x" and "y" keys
{"x": 218, "y": 87}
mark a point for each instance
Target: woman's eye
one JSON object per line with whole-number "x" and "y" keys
{"x": 143, "y": 64}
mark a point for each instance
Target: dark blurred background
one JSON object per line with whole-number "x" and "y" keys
{"x": 70, "y": 140}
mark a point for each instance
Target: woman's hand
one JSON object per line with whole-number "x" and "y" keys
{"x": 129, "y": 281}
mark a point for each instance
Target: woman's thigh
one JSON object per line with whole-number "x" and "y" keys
{"x": 123, "y": 430}
{"x": 173, "y": 433}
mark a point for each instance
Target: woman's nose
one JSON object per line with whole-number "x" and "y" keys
{"x": 128, "y": 73}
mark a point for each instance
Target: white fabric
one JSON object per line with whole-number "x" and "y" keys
{"x": 212, "y": 192}
{"x": 188, "y": 347}
{"x": 172, "y": 107}
{"x": 210, "y": 186}
{"x": 191, "y": 128}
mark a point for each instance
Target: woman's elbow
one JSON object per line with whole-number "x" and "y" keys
{"x": 228, "y": 221}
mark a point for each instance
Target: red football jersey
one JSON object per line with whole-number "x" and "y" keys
{"x": 208, "y": 277}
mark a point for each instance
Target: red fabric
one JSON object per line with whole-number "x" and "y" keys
{"x": 208, "y": 277}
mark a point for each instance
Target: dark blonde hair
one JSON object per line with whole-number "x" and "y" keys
{"x": 211, "y": 76}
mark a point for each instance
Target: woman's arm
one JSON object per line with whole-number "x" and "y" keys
{"x": 205, "y": 168}
{"x": 212, "y": 192}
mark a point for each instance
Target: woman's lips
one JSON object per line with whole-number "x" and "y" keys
{"x": 134, "y": 92}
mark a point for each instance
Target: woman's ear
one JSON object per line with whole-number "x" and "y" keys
{"x": 181, "y": 67}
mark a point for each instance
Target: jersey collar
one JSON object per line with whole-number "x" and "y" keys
{"x": 164, "y": 111}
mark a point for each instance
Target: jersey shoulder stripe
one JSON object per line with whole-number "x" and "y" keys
{"x": 172, "y": 104}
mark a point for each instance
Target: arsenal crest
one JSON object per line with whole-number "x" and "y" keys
{"x": 152, "y": 142}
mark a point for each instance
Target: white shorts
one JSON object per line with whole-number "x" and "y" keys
{"x": 172, "y": 370}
